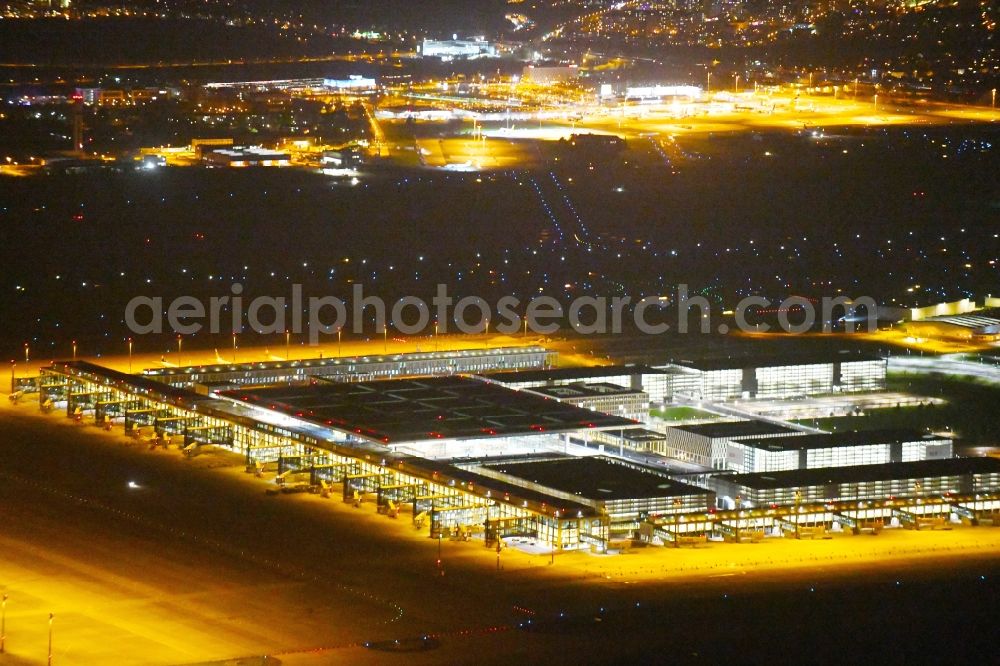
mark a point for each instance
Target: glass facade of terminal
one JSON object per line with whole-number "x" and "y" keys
{"x": 358, "y": 368}
{"x": 742, "y": 458}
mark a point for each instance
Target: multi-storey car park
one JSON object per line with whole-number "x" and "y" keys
{"x": 840, "y": 449}
{"x": 600, "y": 397}
{"x": 722, "y": 379}
{"x": 876, "y": 493}
{"x": 475, "y": 458}
{"x": 787, "y": 376}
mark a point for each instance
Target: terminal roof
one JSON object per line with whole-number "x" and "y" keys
{"x": 408, "y": 410}
{"x": 597, "y": 478}
{"x": 137, "y": 383}
{"x": 340, "y": 361}
{"x": 498, "y": 489}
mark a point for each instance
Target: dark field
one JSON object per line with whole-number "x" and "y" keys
{"x": 903, "y": 209}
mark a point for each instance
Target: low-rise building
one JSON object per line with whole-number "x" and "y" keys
{"x": 549, "y": 74}
{"x": 601, "y": 397}
{"x": 343, "y": 158}
{"x": 706, "y": 444}
{"x": 354, "y": 83}
{"x": 253, "y": 156}
{"x": 457, "y": 49}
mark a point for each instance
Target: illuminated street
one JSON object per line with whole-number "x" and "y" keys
{"x": 948, "y": 365}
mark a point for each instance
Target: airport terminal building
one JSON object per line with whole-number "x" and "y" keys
{"x": 392, "y": 442}
{"x": 468, "y": 457}
{"x": 356, "y": 368}
{"x": 660, "y": 384}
